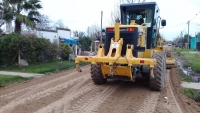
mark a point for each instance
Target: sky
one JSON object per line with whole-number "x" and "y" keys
{"x": 80, "y": 14}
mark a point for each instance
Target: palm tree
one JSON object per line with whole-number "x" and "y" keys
{"x": 17, "y": 7}
{"x": 6, "y": 13}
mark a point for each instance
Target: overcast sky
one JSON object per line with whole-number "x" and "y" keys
{"x": 79, "y": 14}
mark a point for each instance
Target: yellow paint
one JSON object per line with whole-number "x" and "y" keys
{"x": 159, "y": 49}
{"x": 170, "y": 61}
{"x": 115, "y": 48}
{"x": 132, "y": 22}
{"x": 141, "y": 55}
{"x": 148, "y": 53}
{"x": 101, "y": 51}
{"x": 114, "y": 55}
{"x": 117, "y": 33}
{"x": 118, "y": 71}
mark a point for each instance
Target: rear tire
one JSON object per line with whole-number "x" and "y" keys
{"x": 96, "y": 74}
{"x": 168, "y": 53}
{"x": 157, "y": 83}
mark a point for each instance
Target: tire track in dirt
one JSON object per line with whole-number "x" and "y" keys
{"x": 69, "y": 96}
{"x": 85, "y": 99}
{"x": 167, "y": 101}
{"x": 93, "y": 100}
{"x": 76, "y": 93}
{"x": 177, "y": 108}
{"x": 40, "y": 84}
{"x": 128, "y": 98}
{"x": 40, "y": 94}
{"x": 150, "y": 103}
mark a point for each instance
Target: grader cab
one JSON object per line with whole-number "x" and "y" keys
{"x": 131, "y": 48}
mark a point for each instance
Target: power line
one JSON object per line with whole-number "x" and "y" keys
{"x": 195, "y": 16}
{"x": 97, "y": 19}
{"x": 174, "y": 26}
{"x": 184, "y": 28}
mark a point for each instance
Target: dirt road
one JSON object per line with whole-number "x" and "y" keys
{"x": 73, "y": 92}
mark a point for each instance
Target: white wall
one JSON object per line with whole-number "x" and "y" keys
{"x": 64, "y": 34}
{"x": 53, "y": 35}
{"x": 48, "y": 35}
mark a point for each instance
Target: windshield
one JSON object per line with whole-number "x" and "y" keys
{"x": 143, "y": 16}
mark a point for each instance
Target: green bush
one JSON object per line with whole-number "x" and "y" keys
{"x": 85, "y": 43}
{"x": 10, "y": 46}
{"x": 41, "y": 50}
{"x": 65, "y": 50}
{"x": 31, "y": 48}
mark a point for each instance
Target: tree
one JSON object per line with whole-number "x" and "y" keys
{"x": 78, "y": 34}
{"x": 60, "y": 23}
{"x": 94, "y": 32}
{"x": 17, "y": 7}
{"x": 6, "y": 14}
{"x": 84, "y": 43}
{"x": 65, "y": 50}
{"x": 44, "y": 22}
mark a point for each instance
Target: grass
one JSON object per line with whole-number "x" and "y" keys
{"x": 44, "y": 68}
{"x": 192, "y": 93}
{"x": 182, "y": 50}
{"x": 8, "y": 79}
{"x": 192, "y": 61}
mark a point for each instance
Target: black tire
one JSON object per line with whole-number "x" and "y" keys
{"x": 164, "y": 56}
{"x": 168, "y": 53}
{"x": 96, "y": 74}
{"x": 157, "y": 83}
{"x": 165, "y": 68}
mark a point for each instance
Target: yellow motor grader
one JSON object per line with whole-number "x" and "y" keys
{"x": 132, "y": 48}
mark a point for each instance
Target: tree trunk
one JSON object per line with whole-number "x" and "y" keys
{"x": 9, "y": 26}
{"x": 18, "y": 26}
{"x": 19, "y": 58}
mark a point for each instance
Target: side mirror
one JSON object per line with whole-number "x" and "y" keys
{"x": 103, "y": 32}
{"x": 163, "y": 22}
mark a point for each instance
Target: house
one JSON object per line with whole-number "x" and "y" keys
{"x": 54, "y": 35}
{"x": 193, "y": 42}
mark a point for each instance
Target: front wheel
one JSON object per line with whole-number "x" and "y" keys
{"x": 157, "y": 83}
{"x": 96, "y": 74}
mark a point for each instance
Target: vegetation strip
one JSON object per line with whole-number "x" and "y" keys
{"x": 7, "y": 79}
{"x": 190, "y": 60}
{"x": 44, "y": 68}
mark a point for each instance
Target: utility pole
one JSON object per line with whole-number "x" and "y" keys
{"x": 188, "y": 32}
{"x": 101, "y": 26}
{"x": 91, "y": 38}
{"x": 181, "y": 39}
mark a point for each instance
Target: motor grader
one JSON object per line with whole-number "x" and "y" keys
{"x": 132, "y": 48}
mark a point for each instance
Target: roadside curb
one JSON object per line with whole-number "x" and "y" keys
{"x": 191, "y": 85}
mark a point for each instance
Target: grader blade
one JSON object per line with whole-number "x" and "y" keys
{"x": 170, "y": 61}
